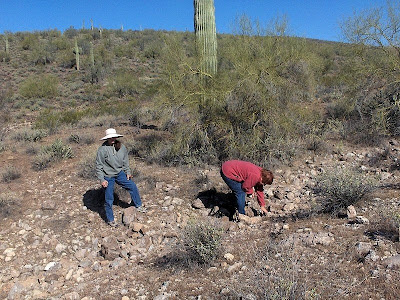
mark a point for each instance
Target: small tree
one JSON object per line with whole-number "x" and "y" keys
{"x": 377, "y": 26}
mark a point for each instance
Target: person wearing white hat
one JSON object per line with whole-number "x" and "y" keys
{"x": 112, "y": 166}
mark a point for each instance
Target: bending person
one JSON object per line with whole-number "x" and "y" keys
{"x": 243, "y": 178}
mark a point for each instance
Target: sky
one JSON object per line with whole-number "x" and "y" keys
{"x": 318, "y": 19}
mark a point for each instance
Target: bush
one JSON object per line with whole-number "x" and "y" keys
{"x": 340, "y": 188}
{"x": 52, "y": 153}
{"x": 7, "y": 202}
{"x": 87, "y": 166}
{"x": 29, "y": 135}
{"x": 39, "y": 87}
{"x": 202, "y": 241}
{"x": 11, "y": 173}
{"x": 387, "y": 224}
{"x": 125, "y": 84}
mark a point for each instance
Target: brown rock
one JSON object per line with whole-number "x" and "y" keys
{"x": 129, "y": 215}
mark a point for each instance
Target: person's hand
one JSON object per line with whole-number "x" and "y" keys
{"x": 128, "y": 176}
{"x": 104, "y": 184}
{"x": 264, "y": 210}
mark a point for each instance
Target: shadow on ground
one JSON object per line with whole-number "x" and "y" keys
{"x": 93, "y": 199}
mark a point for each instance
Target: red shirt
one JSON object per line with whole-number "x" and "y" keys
{"x": 248, "y": 174}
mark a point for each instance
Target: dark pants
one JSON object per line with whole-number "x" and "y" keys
{"x": 129, "y": 185}
{"x": 236, "y": 188}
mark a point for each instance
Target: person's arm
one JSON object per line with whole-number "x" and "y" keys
{"x": 125, "y": 162}
{"x": 260, "y": 197}
{"x": 249, "y": 183}
{"x": 99, "y": 168}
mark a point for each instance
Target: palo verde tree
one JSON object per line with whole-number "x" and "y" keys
{"x": 377, "y": 33}
{"x": 206, "y": 36}
{"x": 377, "y": 27}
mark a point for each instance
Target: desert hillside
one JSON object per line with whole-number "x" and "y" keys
{"x": 320, "y": 116}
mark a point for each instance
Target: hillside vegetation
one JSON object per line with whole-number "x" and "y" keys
{"x": 272, "y": 96}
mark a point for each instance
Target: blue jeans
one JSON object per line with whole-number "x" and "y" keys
{"x": 236, "y": 188}
{"x": 129, "y": 185}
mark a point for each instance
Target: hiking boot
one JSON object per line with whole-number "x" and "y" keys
{"x": 141, "y": 209}
{"x": 113, "y": 224}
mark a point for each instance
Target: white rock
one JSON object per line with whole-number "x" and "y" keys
{"x": 229, "y": 257}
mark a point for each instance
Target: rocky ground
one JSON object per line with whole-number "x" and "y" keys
{"x": 54, "y": 243}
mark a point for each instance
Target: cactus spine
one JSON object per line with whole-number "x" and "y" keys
{"x": 76, "y": 50}
{"x": 206, "y": 35}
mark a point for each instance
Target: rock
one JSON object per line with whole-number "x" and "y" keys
{"x": 362, "y": 249}
{"x": 289, "y": 207}
{"x": 351, "y": 212}
{"x": 249, "y": 220}
{"x": 198, "y": 204}
{"x": 71, "y": 296}
{"x": 136, "y": 227}
{"x": 234, "y": 267}
{"x": 109, "y": 249}
{"x": 50, "y": 265}
{"x": 229, "y": 257}
{"x": 49, "y": 205}
{"x": 362, "y": 220}
{"x": 129, "y": 215}
{"x": 278, "y": 195}
{"x": 392, "y": 262}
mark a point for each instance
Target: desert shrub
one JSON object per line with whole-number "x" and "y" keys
{"x": 11, "y": 173}
{"x": 280, "y": 280}
{"x": 4, "y": 57}
{"x": 339, "y": 188}
{"x": 41, "y": 161}
{"x": 52, "y": 120}
{"x": 87, "y": 166}
{"x": 202, "y": 241}
{"x": 387, "y": 224}
{"x": 66, "y": 58}
{"x": 42, "y": 54}
{"x": 30, "y": 41}
{"x": 29, "y": 135}
{"x": 58, "y": 150}
{"x": 71, "y": 32}
{"x": 51, "y": 153}
{"x": 7, "y": 202}
{"x": 125, "y": 83}
{"x": 39, "y": 87}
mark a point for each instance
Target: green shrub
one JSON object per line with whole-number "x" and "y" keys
{"x": 30, "y": 41}
{"x": 339, "y": 188}
{"x": 42, "y": 161}
{"x": 124, "y": 84}
{"x": 202, "y": 241}
{"x": 29, "y": 135}
{"x": 11, "y": 173}
{"x": 51, "y": 153}
{"x": 39, "y": 87}
{"x": 58, "y": 150}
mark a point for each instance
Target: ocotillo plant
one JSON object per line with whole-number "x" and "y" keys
{"x": 206, "y": 35}
{"x": 76, "y": 50}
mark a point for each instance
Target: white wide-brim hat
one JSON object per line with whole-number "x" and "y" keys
{"x": 111, "y": 133}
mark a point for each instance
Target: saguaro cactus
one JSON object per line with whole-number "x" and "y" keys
{"x": 91, "y": 55}
{"x": 7, "y": 45}
{"x": 76, "y": 50}
{"x": 206, "y": 35}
